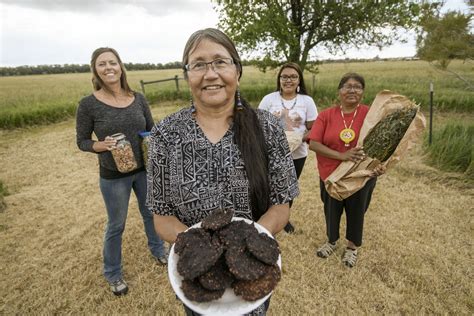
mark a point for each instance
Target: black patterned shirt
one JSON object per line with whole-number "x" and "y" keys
{"x": 188, "y": 176}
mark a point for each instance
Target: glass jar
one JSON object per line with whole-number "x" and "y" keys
{"x": 145, "y": 136}
{"x": 123, "y": 154}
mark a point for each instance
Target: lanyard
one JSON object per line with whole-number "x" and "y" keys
{"x": 353, "y": 117}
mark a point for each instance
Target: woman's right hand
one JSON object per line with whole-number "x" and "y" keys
{"x": 168, "y": 227}
{"x": 354, "y": 154}
{"x": 107, "y": 144}
{"x": 110, "y": 143}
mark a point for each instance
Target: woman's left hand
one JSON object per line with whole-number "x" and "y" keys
{"x": 275, "y": 218}
{"x": 378, "y": 171}
{"x": 305, "y": 138}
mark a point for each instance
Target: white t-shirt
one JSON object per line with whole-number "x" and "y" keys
{"x": 293, "y": 114}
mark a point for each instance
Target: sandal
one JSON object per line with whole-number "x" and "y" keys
{"x": 350, "y": 257}
{"x": 326, "y": 250}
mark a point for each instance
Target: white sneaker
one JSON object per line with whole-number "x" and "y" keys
{"x": 161, "y": 260}
{"x": 119, "y": 287}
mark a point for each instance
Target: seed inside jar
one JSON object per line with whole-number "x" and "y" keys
{"x": 124, "y": 158}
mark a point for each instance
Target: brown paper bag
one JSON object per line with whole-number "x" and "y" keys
{"x": 294, "y": 139}
{"x": 349, "y": 177}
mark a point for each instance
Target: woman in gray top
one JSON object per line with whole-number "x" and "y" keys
{"x": 115, "y": 108}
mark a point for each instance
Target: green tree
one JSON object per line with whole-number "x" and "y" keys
{"x": 290, "y": 30}
{"x": 444, "y": 38}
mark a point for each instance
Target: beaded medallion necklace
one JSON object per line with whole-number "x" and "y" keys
{"x": 348, "y": 134}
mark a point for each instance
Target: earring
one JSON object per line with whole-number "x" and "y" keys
{"x": 193, "y": 108}
{"x": 297, "y": 89}
{"x": 239, "y": 105}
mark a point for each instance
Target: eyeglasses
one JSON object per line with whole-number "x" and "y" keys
{"x": 200, "y": 67}
{"x": 291, "y": 78}
{"x": 356, "y": 88}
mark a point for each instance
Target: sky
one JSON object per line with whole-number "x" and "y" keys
{"x": 46, "y": 32}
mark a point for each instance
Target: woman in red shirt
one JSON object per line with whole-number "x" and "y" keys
{"x": 334, "y": 137}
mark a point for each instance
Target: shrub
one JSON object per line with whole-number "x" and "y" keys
{"x": 3, "y": 192}
{"x": 452, "y": 148}
{"x": 24, "y": 117}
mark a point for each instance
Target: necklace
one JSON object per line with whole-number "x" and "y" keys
{"x": 348, "y": 134}
{"x": 292, "y": 106}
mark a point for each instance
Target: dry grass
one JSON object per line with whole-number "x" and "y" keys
{"x": 416, "y": 258}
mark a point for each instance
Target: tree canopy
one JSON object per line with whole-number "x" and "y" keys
{"x": 290, "y": 30}
{"x": 444, "y": 38}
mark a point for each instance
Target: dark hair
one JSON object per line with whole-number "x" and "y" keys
{"x": 215, "y": 36}
{"x": 97, "y": 82}
{"x": 248, "y": 133}
{"x": 351, "y": 75}
{"x": 300, "y": 74}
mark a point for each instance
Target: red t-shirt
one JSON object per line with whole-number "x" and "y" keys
{"x": 326, "y": 131}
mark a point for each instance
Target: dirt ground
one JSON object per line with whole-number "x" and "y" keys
{"x": 417, "y": 255}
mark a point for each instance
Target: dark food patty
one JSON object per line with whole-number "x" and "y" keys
{"x": 234, "y": 234}
{"x": 184, "y": 239}
{"x": 198, "y": 257}
{"x": 195, "y": 292}
{"x": 218, "y": 277}
{"x": 264, "y": 248}
{"x": 256, "y": 289}
{"x": 243, "y": 265}
{"x": 217, "y": 219}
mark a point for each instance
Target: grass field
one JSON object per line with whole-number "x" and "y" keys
{"x": 29, "y": 100}
{"x": 416, "y": 258}
{"x": 452, "y": 148}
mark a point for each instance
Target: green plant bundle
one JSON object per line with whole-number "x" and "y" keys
{"x": 385, "y": 136}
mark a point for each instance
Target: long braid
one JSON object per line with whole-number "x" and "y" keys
{"x": 249, "y": 137}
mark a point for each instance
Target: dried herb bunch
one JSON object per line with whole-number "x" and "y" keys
{"x": 384, "y": 137}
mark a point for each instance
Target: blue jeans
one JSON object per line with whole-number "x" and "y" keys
{"x": 116, "y": 194}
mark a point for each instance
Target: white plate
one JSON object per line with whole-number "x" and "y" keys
{"x": 229, "y": 303}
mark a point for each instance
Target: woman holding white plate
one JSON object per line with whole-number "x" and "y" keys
{"x": 218, "y": 153}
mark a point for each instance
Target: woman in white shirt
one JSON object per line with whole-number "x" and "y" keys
{"x": 297, "y": 112}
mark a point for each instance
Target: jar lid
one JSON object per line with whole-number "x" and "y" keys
{"x": 144, "y": 134}
{"x": 118, "y": 136}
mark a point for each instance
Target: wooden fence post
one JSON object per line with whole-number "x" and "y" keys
{"x": 143, "y": 86}
{"x": 430, "y": 136}
{"x": 176, "y": 79}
